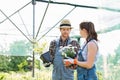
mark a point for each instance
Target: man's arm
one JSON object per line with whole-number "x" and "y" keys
{"x": 52, "y": 48}
{"x": 76, "y": 44}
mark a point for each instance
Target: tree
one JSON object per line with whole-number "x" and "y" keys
{"x": 20, "y": 48}
{"x": 19, "y": 51}
{"x": 114, "y": 65}
{"x": 4, "y": 62}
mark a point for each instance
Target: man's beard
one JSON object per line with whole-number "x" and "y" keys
{"x": 65, "y": 36}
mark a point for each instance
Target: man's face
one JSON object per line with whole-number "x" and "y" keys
{"x": 65, "y": 32}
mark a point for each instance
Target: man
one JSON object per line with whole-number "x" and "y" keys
{"x": 60, "y": 72}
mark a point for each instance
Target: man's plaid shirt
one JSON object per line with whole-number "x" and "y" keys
{"x": 62, "y": 43}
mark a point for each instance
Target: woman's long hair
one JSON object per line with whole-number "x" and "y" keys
{"x": 89, "y": 27}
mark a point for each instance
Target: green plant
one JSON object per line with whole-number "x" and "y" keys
{"x": 100, "y": 76}
{"x": 2, "y": 77}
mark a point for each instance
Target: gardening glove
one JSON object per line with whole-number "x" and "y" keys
{"x": 70, "y": 61}
{"x": 67, "y": 62}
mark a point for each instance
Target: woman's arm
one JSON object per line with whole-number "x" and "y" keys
{"x": 92, "y": 51}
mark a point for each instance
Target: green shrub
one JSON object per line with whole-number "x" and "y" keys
{"x": 100, "y": 76}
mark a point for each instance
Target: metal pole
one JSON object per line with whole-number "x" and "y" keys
{"x": 33, "y": 3}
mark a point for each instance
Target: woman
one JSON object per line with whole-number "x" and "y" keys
{"x": 87, "y": 56}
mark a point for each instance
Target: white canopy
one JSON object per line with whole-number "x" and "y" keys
{"x": 105, "y": 14}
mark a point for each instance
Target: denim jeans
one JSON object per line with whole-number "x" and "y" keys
{"x": 86, "y": 74}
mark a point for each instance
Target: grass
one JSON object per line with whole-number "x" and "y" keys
{"x": 39, "y": 75}
{"x": 45, "y": 74}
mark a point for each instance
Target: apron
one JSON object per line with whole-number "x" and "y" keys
{"x": 86, "y": 74}
{"x": 60, "y": 72}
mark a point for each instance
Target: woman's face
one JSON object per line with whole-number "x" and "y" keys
{"x": 83, "y": 33}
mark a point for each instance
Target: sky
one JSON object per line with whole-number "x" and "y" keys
{"x": 24, "y": 20}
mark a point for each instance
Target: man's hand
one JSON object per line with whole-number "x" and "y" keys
{"x": 68, "y": 62}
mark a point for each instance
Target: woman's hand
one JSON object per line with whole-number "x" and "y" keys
{"x": 68, "y": 62}
{"x": 71, "y": 63}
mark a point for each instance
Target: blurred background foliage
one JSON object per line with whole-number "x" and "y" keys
{"x": 16, "y": 59}
{"x": 22, "y": 65}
